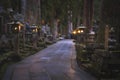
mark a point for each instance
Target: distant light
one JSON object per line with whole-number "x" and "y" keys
{"x": 19, "y": 27}
{"x": 81, "y": 31}
{"x": 33, "y": 30}
{"x": 36, "y": 30}
{"x": 16, "y": 28}
{"x": 74, "y": 32}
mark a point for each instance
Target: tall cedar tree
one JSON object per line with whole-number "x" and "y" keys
{"x": 110, "y": 15}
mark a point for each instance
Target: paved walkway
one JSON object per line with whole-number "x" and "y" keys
{"x": 56, "y": 62}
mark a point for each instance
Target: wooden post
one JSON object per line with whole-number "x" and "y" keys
{"x": 18, "y": 51}
{"x": 106, "y": 37}
{"x": 16, "y": 44}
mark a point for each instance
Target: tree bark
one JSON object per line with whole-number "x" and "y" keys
{"x": 88, "y": 14}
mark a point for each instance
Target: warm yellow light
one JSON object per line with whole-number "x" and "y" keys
{"x": 81, "y": 31}
{"x": 16, "y": 28}
{"x": 19, "y": 28}
{"x": 74, "y": 32}
{"x": 34, "y": 30}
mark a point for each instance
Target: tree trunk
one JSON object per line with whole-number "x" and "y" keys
{"x": 88, "y": 14}
{"x": 55, "y": 30}
{"x": 110, "y": 15}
